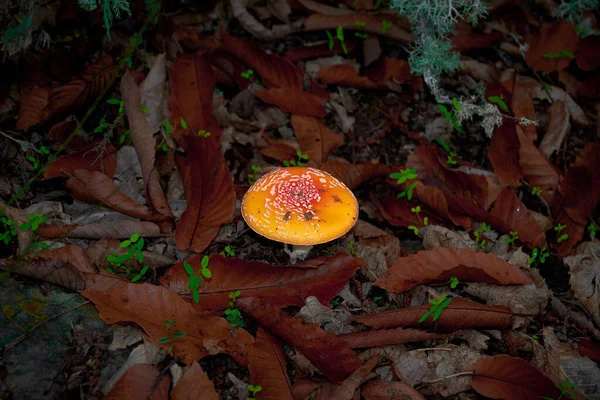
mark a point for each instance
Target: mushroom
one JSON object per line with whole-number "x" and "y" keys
{"x": 300, "y": 206}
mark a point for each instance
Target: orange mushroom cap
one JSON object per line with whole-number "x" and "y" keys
{"x": 300, "y": 205}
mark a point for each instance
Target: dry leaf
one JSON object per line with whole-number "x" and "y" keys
{"x": 384, "y": 390}
{"x": 537, "y": 170}
{"x": 373, "y": 24}
{"x": 294, "y": 100}
{"x": 139, "y": 382}
{"x": 354, "y": 175}
{"x": 33, "y": 103}
{"x": 587, "y": 53}
{"x": 332, "y": 321}
{"x": 544, "y": 50}
{"x": 121, "y": 230}
{"x": 504, "y": 154}
{"x": 371, "y": 236}
{"x": 584, "y": 267}
{"x": 194, "y": 384}
{"x": 88, "y": 158}
{"x": 315, "y": 139}
{"x": 558, "y": 126}
{"x": 384, "y": 337}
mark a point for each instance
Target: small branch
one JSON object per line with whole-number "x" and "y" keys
{"x": 447, "y": 377}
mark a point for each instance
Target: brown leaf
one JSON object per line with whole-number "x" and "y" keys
{"x": 87, "y": 158}
{"x": 460, "y": 314}
{"x": 280, "y": 285}
{"x": 130, "y": 302}
{"x": 347, "y": 389}
{"x": 33, "y": 104}
{"x": 278, "y": 149}
{"x": 435, "y": 200}
{"x": 464, "y": 43}
{"x": 139, "y": 383}
{"x": 588, "y": 53}
{"x": 354, "y": 175}
{"x": 558, "y": 126}
{"x": 329, "y": 354}
{"x": 209, "y": 194}
{"x": 347, "y": 75}
{"x": 385, "y": 390}
{"x": 504, "y": 154}
{"x": 194, "y": 384}
{"x": 100, "y": 250}
{"x": 373, "y": 24}
{"x": 322, "y": 50}
{"x": 143, "y": 140}
{"x": 588, "y": 348}
{"x": 439, "y": 264}
{"x": 315, "y": 139}
{"x": 89, "y": 84}
{"x": 121, "y": 230}
{"x": 553, "y": 39}
{"x": 537, "y": 170}
{"x": 521, "y": 104}
{"x": 386, "y": 337}
{"x": 509, "y": 209}
{"x": 506, "y": 377}
{"x": 397, "y": 212}
{"x": 96, "y": 188}
{"x": 372, "y": 236}
{"x": 294, "y": 100}
{"x": 267, "y": 366}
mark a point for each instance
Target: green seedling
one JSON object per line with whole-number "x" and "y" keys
{"x": 414, "y": 229}
{"x": 34, "y": 162}
{"x": 591, "y": 229}
{"x": 564, "y": 390}
{"x": 299, "y": 162}
{"x": 253, "y": 390}
{"x": 227, "y": 252}
{"x": 403, "y": 177}
{"x": 499, "y": 100}
{"x": 416, "y": 210}
{"x": 360, "y": 25}
{"x": 125, "y": 262}
{"x": 558, "y": 228}
{"x": 252, "y": 176}
{"x": 454, "y": 282}
{"x": 35, "y": 220}
{"x": 247, "y": 74}
{"x": 145, "y": 109}
{"x": 183, "y": 124}
{"x": 538, "y": 256}
{"x": 514, "y": 236}
{"x": 232, "y": 314}
{"x": 385, "y": 26}
{"x": 452, "y": 154}
{"x": 171, "y": 334}
{"x": 336, "y": 301}
{"x": 437, "y": 306}
{"x": 124, "y": 136}
{"x": 425, "y": 221}
{"x": 45, "y": 150}
{"x": 377, "y": 298}
{"x": 339, "y": 33}
{"x": 479, "y": 236}
{"x": 450, "y": 115}
{"x": 353, "y": 244}
{"x": 194, "y": 281}
{"x": 203, "y": 133}
{"x": 536, "y": 191}
{"x": 117, "y": 102}
{"x": 9, "y": 230}
{"x": 563, "y": 53}
{"x": 331, "y": 42}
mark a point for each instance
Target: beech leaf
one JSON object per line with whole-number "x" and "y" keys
{"x": 194, "y": 384}
{"x": 138, "y": 382}
{"x": 294, "y": 100}
{"x": 315, "y": 139}
{"x": 386, "y": 337}
{"x": 87, "y": 158}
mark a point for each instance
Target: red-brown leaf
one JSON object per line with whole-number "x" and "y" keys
{"x": 86, "y": 158}
{"x": 504, "y": 154}
{"x": 506, "y": 377}
{"x": 537, "y": 170}
{"x": 315, "y": 139}
{"x": 397, "y": 212}
{"x": 75, "y": 93}
{"x": 138, "y": 382}
{"x": 589, "y": 348}
{"x": 553, "y": 38}
{"x": 513, "y": 212}
{"x": 322, "y": 50}
{"x": 385, "y": 390}
{"x": 294, "y": 100}
{"x": 280, "y": 285}
{"x": 435, "y": 200}
{"x": 464, "y": 43}
{"x": 347, "y": 389}
{"x": 332, "y": 356}
{"x": 194, "y": 384}
{"x": 278, "y": 149}
{"x": 460, "y": 314}
{"x": 346, "y": 75}
{"x": 208, "y": 191}
{"x": 588, "y": 53}
{"x": 354, "y": 175}
{"x": 386, "y": 337}
{"x": 267, "y": 366}
{"x": 33, "y": 104}
{"x": 129, "y": 302}
{"x": 440, "y": 263}
{"x": 96, "y": 188}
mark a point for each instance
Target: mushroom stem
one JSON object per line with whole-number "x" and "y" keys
{"x": 298, "y": 252}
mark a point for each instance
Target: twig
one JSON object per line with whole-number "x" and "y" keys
{"x": 430, "y": 349}
{"x": 446, "y": 377}
{"x": 23, "y": 336}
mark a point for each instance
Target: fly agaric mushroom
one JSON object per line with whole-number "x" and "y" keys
{"x": 300, "y": 206}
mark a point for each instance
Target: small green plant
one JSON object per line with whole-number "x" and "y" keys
{"x": 416, "y": 210}
{"x": 297, "y": 163}
{"x": 558, "y": 228}
{"x": 452, "y": 154}
{"x": 425, "y": 221}
{"x": 331, "y": 41}
{"x": 232, "y": 314}
{"x": 353, "y": 244}
{"x": 8, "y": 228}
{"x": 247, "y": 74}
{"x": 126, "y": 261}
{"x": 385, "y": 26}
{"x": 227, "y": 252}
{"x": 514, "y": 236}
{"x": 144, "y": 109}
{"x": 403, "y": 177}
{"x": 252, "y": 176}
{"x": 479, "y": 236}
{"x": 35, "y": 220}
{"x": 414, "y": 229}
{"x": 253, "y": 390}
{"x": 499, "y": 100}
{"x": 563, "y": 53}
{"x": 194, "y": 281}
{"x": 339, "y": 33}
{"x": 454, "y": 282}
{"x": 172, "y": 335}
{"x": 536, "y": 191}
{"x": 564, "y": 390}
{"x": 437, "y": 306}
{"x": 203, "y": 133}
{"x": 380, "y": 3}
{"x": 360, "y": 25}
{"x": 538, "y": 256}
{"x": 450, "y": 115}
{"x": 591, "y": 229}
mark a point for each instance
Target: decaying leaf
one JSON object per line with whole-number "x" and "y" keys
{"x": 194, "y": 384}
{"x": 384, "y": 390}
{"x": 140, "y": 382}
{"x": 315, "y": 139}
{"x": 546, "y": 51}
{"x": 294, "y": 100}
{"x": 384, "y": 337}
{"x": 585, "y": 276}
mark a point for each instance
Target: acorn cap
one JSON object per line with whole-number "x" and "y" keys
{"x": 300, "y": 205}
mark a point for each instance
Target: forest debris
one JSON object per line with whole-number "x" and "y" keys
{"x": 585, "y": 276}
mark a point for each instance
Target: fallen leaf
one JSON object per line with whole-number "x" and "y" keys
{"x": 92, "y": 81}
{"x": 280, "y": 285}
{"x": 435, "y": 200}
{"x": 88, "y": 158}
{"x": 544, "y": 51}
{"x": 315, "y": 139}
{"x": 383, "y": 337}
{"x": 121, "y": 230}
{"x": 33, "y": 103}
{"x": 584, "y": 268}
{"x": 537, "y": 170}
{"x": 506, "y": 377}
{"x": 439, "y": 264}
{"x": 589, "y": 348}
{"x": 294, "y": 100}
{"x": 513, "y": 212}
{"x": 194, "y": 384}
{"x": 130, "y": 302}
{"x": 209, "y": 194}
{"x": 317, "y": 51}
{"x": 267, "y": 366}
{"x": 395, "y": 70}
{"x": 587, "y": 53}
{"x": 324, "y": 9}
{"x": 140, "y": 382}
{"x": 354, "y": 175}
{"x": 385, "y": 390}
{"x": 143, "y": 140}
{"x": 504, "y": 154}
{"x": 371, "y": 236}
{"x": 278, "y": 149}
{"x": 332, "y": 356}
{"x": 96, "y": 188}
{"x": 464, "y": 43}
{"x": 331, "y": 321}
{"x": 558, "y": 126}
{"x": 460, "y": 314}
{"x": 347, "y": 75}
{"x": 347, "y": 389}
{"x": 153, "y": 93}
{"x": 397, "y": 212}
